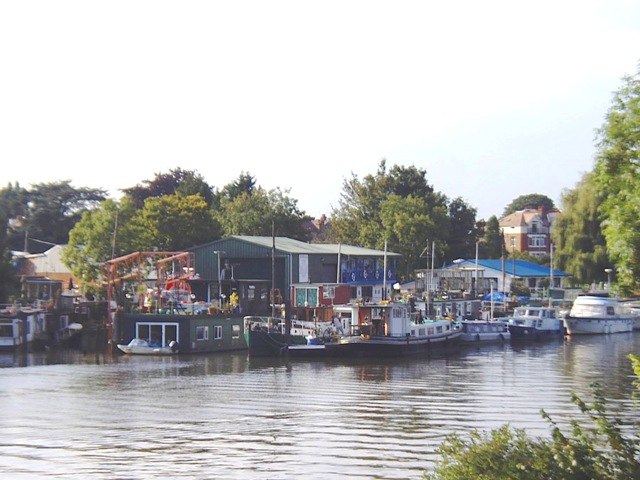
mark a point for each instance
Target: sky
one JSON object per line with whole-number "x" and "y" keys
{"x": 493, "y": 99}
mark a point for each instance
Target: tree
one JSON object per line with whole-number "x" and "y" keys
{"x": 492, "y": 240}
{"x": 579, "y": 244}
{"x": 109, "y": 231}
{"x": 531, "y": 200}
{"x": 245, "y": 183}
{"x": 462, "y": 230}
{"x": 252, "y": 213}
{"x": 359, "y": 216}
{"x": 184, "y": 182}
{"x": 175, "y": 222}
{"x": 617, "y": 174}
{"x": 9, "y": 284}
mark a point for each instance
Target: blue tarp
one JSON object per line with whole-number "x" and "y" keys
{"x": 500, "y": 297}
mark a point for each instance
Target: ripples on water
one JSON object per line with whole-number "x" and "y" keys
{"x": 68, "y": 415}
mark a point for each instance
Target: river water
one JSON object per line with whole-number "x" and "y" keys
{"x": 228, "y": 416}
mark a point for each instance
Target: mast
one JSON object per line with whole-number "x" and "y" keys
{"x": 384, "y": 271}
{"x": 272, "y": 297}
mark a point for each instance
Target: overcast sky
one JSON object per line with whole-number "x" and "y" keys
{"x": 494, "y": 99}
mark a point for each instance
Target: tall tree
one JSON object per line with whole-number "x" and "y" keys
{"x": 531, "y": 200}
{"x": 245, "y": 183}
{"x": 617, "y": 174}
{"x": 579, "y": 244}
{"x": 176, "y": 222}
{"x": 358, "y": 218}
{"x": 252, "y": 213}
{"x": 491, "y": 241}
{"x": 462, "y": 230}
{"x": 177, "y": 180}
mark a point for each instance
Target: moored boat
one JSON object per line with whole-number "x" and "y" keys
{"x": 535, "y": 323}
{"x": 138, "y": 346}
{"x": 479, "y": 331}
{"x": 267, "y": 336}
{"x": 595, "y": 314}
{"x": 389, "y": 330}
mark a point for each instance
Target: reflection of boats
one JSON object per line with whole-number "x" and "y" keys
{"x": 484, "y": 331}
{"x": 137, "y": 346}
{"x": 389, "y": 330}
{"x": 535, "y": 323}
{"x": 591, "y": 314}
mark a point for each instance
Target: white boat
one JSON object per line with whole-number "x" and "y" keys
{"x": 479, "y": 331}
{"x": 596, "y": 314}
{"x": 138, "y": 346}
{"x": 535, "y": 323}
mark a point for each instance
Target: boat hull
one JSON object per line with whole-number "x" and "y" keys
{"x": 594, "y": 326}
{"x": 146, "y": 350}
{"x": 377, "y": 347}
{"x": 527, "y": 332}
{"x": 264, "y": 343}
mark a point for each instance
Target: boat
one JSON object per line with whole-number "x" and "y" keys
{"x": 598, "y": 314}
{"x": 391, "y": 330}
{"x": 267, "y": 336}
{"x": 535, "y": 323}
{"x": 479, "y": 331}
{"x": 12, "y": 333}
{"x": 138, "y": 346}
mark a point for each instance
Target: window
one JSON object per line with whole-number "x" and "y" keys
{"x": 328, "y": 292}
{"x": 235, "y": 333}
{"x": 202, "y": 333}
{"x": 157, "y": 334}
{"x": 537, "y": 240}
{"x": 217, "y": 332}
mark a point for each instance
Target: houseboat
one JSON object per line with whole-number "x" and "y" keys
{"x": 481, "y": 331}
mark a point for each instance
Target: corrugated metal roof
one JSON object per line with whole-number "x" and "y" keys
{"x": 523, "y": 268}
{"x": 290, "y": 245}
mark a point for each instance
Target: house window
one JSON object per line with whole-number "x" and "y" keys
{"x": 328, "y": 292}
{"x": 306, "y": 297}
{"x": 217, "y": 332}
{"x": 202, "y": 333}
{"x": 537, "y": 240}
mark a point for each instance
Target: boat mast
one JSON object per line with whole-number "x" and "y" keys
{"x": 273, "y": 269}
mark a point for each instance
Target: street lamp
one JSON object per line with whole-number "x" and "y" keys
{"x": 608, "y": 271}
{"x": 219, "y": 252}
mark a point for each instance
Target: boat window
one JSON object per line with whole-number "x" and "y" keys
{"x": 217, "y": 332}
{"x": 235, "y": 332}
{"x": 6, "y": 330}
{"x": 202, "y": 332}
{"x": 157, "y": 334}
{"x": 610, "y": 311}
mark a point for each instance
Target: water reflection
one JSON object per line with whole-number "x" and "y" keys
{"x": 231, "y": 416}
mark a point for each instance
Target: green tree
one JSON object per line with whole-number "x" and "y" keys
{"x": 600, "y": 452}
{"x": 405, "y": 226}
{"x": 252, "y": 213}
{"x": 579, "y": 244}
{"x": 617, "y": 174}
{"x": 109, "y": 231}
{"x": 177, "y": 180}
{"x": 463, "y": 233}
{"x": 245, "y": 183}
{"x": 358, "y": 218}
{"x": 530, "y": 200}
{"x": 175, "y": 222}
{"x": 492, "y": 240}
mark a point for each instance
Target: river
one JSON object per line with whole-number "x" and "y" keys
{"x": 228, "y": 416}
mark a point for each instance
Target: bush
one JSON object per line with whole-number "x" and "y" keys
{"x": 601, "y": 452}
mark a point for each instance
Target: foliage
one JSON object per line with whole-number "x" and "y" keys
{"x": 601, "y": 451}
{"x": 461, "y": 242}
{"x": 245, "y": 183}
{"x": 177, "y": 181}
{"x": 105, "y": 233}
{"x": 257, "y": 212}
{"x": 366, "y": 209}
{"x": 491, "y": 239}
{"x": 175, "y": 223}
{"x": 530, "y": 200}
{"x": 9, "y": 285}
{"x": 617, "y": 174}
{"x": 579, "y": 244}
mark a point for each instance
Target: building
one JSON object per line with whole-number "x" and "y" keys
{"x": 470, "y": 278}
{"x": 528, "y": 231}
{"x": 307, "y": 278}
